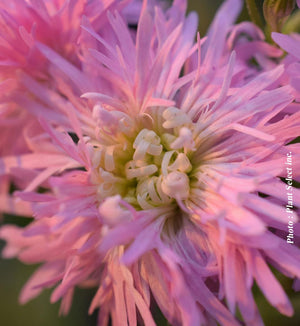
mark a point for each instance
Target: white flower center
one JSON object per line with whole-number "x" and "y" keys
{"x": 147, "y": 167}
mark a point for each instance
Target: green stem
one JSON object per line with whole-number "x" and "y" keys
{"x": 254, "y": 13}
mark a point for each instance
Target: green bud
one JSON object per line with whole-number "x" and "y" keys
{"x": 276, "y": 12}
{"x": 292, "y": 25}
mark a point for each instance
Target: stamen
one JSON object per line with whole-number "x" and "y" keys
{"x": 133, "y": 172}
{"x": 111, "y": 212}
{"x": 174, "y": 118}
{"x": 146, "y": 141}
{"x": 176, "y": 185}
{"x": 182, "y": 164}
{"x": 126, "y": 125}
{"x": 109, "y": 158}
{"x": 143, "y": 202}
{"x": 148, "y": 193}
{"x": 185, "y": 140}
{"x": 165, "y": 162}
{"x": 96, "y": 159}
{"x": 108, "y": 184}
{"x": 167, "y": 139}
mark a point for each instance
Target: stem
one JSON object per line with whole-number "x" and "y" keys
{"x": 254, "y": 14}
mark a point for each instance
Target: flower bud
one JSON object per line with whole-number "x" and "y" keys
{"x": 276, "y": 10}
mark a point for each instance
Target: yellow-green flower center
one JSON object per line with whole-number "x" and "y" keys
{"x": 147, "y": 165}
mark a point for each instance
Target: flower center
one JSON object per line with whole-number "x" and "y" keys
{"x": 147, "y": 166}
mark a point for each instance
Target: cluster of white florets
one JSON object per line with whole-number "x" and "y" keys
{"x": 148, "y": 165}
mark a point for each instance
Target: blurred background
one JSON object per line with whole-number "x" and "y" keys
{"x": 39, "y": 312}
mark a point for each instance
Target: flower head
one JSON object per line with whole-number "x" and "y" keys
{"x": 55, "y": 23}
{"x": 161, "y": 163}
{"x": 23, "y": 25}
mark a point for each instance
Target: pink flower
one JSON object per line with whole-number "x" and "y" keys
{"x": 291, "y": 44}
{"x": 161, "y": 160}
{"x": 55, "y": 23}
{"x": 248, "y": 41}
